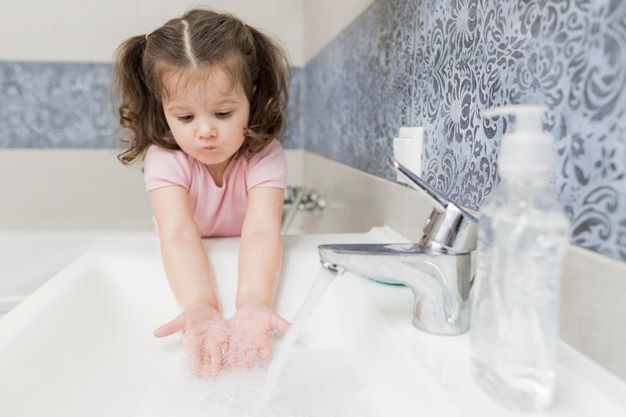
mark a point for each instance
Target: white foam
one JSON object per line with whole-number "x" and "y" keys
{"x": 300, "y": 382}
{"x": 312, "y": 384}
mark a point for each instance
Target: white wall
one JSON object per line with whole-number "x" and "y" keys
{"x": 90, "y": 30}
{"x": 325, "y": 19}
{"x": 80, "y": 189}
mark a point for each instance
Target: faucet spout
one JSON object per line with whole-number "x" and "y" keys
{"x": 437, "y": 269}
{"x": 450, "y": 225}
{"x": 440, "y": 280}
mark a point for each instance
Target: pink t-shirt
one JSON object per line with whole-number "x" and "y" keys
{"x": 218, "y": 211}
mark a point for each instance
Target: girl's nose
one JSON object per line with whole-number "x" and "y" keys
{"x": 206, "y": 130}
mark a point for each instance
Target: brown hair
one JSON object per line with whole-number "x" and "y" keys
{"x": 199, "y": 39}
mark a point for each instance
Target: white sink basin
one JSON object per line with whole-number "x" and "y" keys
{"x": 82, "y": 345}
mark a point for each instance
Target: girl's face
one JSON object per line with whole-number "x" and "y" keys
{"x": 207, "y": 117}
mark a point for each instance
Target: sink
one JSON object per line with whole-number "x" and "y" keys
{"x": 82, "y": 345}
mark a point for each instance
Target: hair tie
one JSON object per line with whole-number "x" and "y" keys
{"x": 146, "y": 36}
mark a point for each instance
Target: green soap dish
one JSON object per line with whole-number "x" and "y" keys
{"x": 386, "y": 281}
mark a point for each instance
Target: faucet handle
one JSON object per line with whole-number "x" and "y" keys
{"x": 449, "y": 225}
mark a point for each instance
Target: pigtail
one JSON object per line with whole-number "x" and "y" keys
{"x": 140, "y": 116}
{"x": 267, "y": 108}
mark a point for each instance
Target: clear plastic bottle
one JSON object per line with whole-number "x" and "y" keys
{"x": 522, "y": 240}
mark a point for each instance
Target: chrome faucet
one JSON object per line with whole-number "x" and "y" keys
{"x": 437, "y": 269}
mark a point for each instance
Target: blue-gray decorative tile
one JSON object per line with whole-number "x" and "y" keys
{"x": 358, "y": 90}
{"x": 295, "y": 118}
{"x": 473, "y": 55}
{"x": 69, "y": 105}
{"x": 51, "y": 105}
{"x": 462, "y": 57}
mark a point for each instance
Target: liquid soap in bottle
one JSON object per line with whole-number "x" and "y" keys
{"x": 522, "y": 239}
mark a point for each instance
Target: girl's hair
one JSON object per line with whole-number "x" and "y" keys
{"x": 200, "y": 39}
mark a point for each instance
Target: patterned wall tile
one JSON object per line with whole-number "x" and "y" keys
{"x": 69, "y": 105}
{"x": 55, "y": 105}
{"x": 570, "y": 55}
{"x": 358, "y": 90}
{"x": 462, "y": 57}
{"x": 294, "y": 137}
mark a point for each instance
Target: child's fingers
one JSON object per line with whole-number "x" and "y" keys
{"x": 265, "y": 355}
{"x": 195, "y": 352}
{"x": 279, "y": 323}
{"x": 213, "y": 360}
{"x": 174, "y": 326}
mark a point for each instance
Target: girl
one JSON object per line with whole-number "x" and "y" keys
{"x": 202, "y": 101}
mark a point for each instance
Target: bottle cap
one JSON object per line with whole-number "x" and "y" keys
{"x": 526, "y": 149}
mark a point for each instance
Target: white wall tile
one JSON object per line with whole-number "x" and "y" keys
{"x": 70, "y": 189}
{"x": 325, "y": 19}
{"x": 89, "y": 31}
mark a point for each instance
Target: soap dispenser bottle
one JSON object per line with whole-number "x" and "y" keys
{"x": 522, "y": 239}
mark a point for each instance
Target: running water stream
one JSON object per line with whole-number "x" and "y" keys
{"x": 322, "y": 281}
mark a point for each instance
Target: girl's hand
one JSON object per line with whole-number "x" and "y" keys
{"x": 250, "y": 343}
{"x": 205, "y": 337}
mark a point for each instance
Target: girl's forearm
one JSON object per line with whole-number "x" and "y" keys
{"x": 188, "y": 271}
{"x": 185, "y": 261}
{"x": 260, "y": 257}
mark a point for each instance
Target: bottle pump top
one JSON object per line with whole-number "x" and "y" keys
{"x": 527, "y": 149}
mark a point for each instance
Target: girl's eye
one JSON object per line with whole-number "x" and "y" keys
{"x": 222, "y": 114}
{"x": 186, "y": 118}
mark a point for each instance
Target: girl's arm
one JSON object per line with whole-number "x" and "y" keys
{"x": 185, "y": 261}
{"x": 205, "y": 332}
{"x": 260, "y": 257}
{"x": 260, "y": 253}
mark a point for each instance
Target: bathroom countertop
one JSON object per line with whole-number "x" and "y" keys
{"x": 442, "y": 363}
